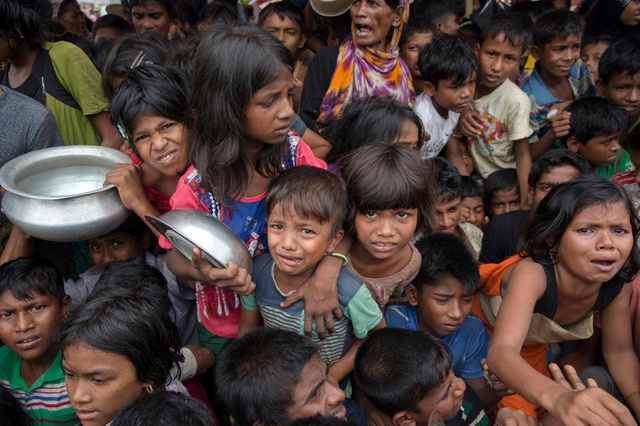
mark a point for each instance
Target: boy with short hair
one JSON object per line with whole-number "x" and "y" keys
{"x": 445, "y": 15}
{"x": 305, "y": 211}
{"x": 408, "y": 374}
{"x": 439, "y": 303}
{"x": 501, "y": 192}
{"x": 32, "y": 307}
{"x": 110, "y": 27}
{"x": 558, "y": 78}
{"x": 448, "y": 211}
{"x": 415, "y": 36}
{"x": 471, "y": 202}
{"x": 448, "y": 69}
{"x": 497, "y": 124}
{"x": 592, "y": 50}
{"x": 596, "y": 125}
{"x": 273, "y": 376}
{"x": 502, "y": 233}
{"x": 619, "y": 71}
{"x": 285, "y": 22}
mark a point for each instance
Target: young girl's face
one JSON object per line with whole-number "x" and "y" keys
{"x": 410, "y": 135}
{"x": 384, "y": 233}
{"x": 99, "y": 383}
{"x": 162, "y": 143}
{"x": 269, "y": 112}
{"x": 596, "y": 243}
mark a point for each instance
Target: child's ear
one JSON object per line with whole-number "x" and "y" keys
{"x": 574, "y": 144}
{"x": 601, "y": 86}
{"x": 65, "y": 307}
{"x": 403, "y": 418}
{"x": 303, "y": 41}
{"x": 477, "y": 49}
{"x": 335, "y": 240}
{"x": 397, "y": 16}
{"x": 530, "y": 197}
{"x": 145, "y": 241}
{"x": 535, "y": 52}
{"x": 412, "y": 294}
{"x": 428, "y": 88}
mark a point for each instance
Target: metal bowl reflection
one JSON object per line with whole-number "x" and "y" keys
{"x": 56, "y": 194}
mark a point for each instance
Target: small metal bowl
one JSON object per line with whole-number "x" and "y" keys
{"x": 56, "y": 194}
{"x": 186, "y": 229}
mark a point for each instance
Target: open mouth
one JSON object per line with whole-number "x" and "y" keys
{"x": 363, "y": 30}
{"x": 166, "y": 158}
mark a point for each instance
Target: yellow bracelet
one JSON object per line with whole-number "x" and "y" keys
{"x": 340, "y": 255}
{"x": 632, "y": 395}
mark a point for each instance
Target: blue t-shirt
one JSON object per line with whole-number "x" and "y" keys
{"x": 469, "y": 344}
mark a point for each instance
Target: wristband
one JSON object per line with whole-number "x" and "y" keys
{"x": 340, "y": 255}
{"x": 632, "y": 395}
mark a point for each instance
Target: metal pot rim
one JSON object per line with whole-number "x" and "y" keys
{"x": 12, "y": 167}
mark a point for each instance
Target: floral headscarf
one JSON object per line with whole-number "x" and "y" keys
{"x": 363, "y": 72}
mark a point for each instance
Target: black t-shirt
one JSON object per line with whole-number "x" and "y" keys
{"x": 502, "y": 236}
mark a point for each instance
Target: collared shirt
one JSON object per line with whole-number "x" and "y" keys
{"x": 542, "y": 101}
{"x": 46, "y": 401}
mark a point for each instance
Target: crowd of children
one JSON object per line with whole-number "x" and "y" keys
{"x": 441, "y": 204}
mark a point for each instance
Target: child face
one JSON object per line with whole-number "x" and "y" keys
{"x": 497, "y": 59}
{"x": 286, "y": 30}
{"x": 591, "y": 54}
{"x": 624, "y": 90}
{"x": 298, "y": 243}
{"x": 475, "y": 207}
{"x": 558, "y": 56}
{"x": 598, "y": 151}
{"x": 383, "y": 234}
{"x": 410, "y": 135}
{"x": 448, "y": 214}
{"x": 30, "y": 327}
{"x": 115, "y": 246}
{"x": 162, "y": 143}
{"x": 151, "y": 17}
{"x": 550, "y": 179}
{"x": 505, "y": 201}
{"x": 442, "y": 308}
{"x": 410, "y": 51}
{"x": 269, "y": 112}
{"x": 450, "y": 95}
{"x": 446, "y": 398}
{"x": 316, "y": 393}
{"x": 596, "y": 243}
{"x": 99, "y": 383}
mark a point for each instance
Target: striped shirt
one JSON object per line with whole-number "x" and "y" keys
{"x": 46, "y": 402}
{"x": 361, "y": 312}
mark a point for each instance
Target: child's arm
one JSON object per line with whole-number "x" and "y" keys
{"x": 233, "y": 277}
{"x": 319, "y": 146}
{"x": 320, "y": 293}
{"x": 110, "y": 136}
{"x": 249, "y": 318}
{"x": 526, "y": 285}
{"x": 452, "y": 153}
{"x": 18, "y": 245}
{"x": 127, "y": 179}
{"x": 344, "y": 366}
{"x": 560, "y": 126}
{"x": 617, "y": 347}
{"x": 523, "y": 166}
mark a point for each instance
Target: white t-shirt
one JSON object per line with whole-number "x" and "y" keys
{"x": 440, "y": 129}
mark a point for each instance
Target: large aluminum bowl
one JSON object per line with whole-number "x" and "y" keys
{"x": 56, "y": 194}
{"x": 186, "y": 229}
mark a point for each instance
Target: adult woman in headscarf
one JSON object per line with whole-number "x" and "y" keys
{"x": 366, "y": 64}
{"x": 615, "y": 18}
